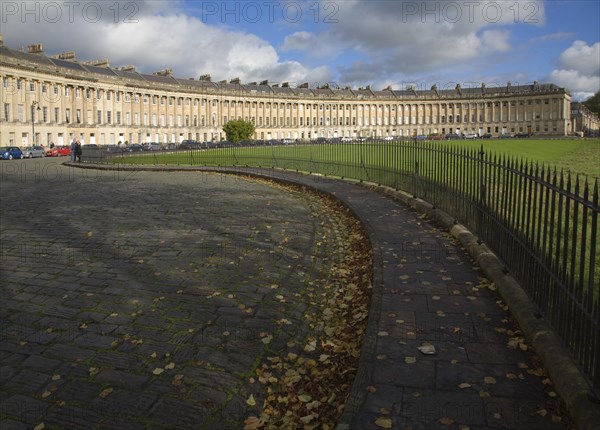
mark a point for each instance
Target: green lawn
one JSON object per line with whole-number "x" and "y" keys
{"x": 576, "y": 155}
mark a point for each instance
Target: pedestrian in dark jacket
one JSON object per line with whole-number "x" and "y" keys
{"x": 78, "y": 151}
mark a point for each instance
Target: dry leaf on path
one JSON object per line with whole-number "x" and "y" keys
{"x": 427, "y": 349}
{"x": 384, "y": 422}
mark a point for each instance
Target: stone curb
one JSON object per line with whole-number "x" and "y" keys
{"x": 568, "y": 380}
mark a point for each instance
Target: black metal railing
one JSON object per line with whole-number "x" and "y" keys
{"x": 541, "y": 222}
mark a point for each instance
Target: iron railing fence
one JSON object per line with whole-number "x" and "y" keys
{"x": 541, "y": 222}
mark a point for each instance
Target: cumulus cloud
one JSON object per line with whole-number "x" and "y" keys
{"x": 300, "y": 40}
{"x": 579, "y": 69}
{"x": 580, "y": 56}
{"x": 154, "y": 35}
{"x": 406, "y": 37}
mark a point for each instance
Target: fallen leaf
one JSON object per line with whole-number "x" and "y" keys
{"x": 447, "y": 421}
{"x": 177, "y": 380}
{"x": 465, "y": 385}
{"x": 310, "y": 346}
{"x": 253, "y": 423}
{"x": 410, "y": 360}
{"x": 427, "y": 349}
{"x": 46, "y": 394}
{"x": 489, "y": 380}
{"x": 384, "y": 422}
{"x": 104, "y": 393}
{"x": 170, "y": 366}
{"x": 40, "y": 426}
{"x": 158, "y": 371}
{"x": 307, "y": 418}
{"x": 55, "y": 377}
{"x": 304, "y": 398}
{"x": 251, "y": 401}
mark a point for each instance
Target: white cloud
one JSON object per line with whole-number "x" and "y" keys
{"x": 300, "y": 40}
{"x": 579, "y": 70}
{"x": 580, "y": 56}
{"x": 495, "y": 40}
{"x": 401, "y": 38}
{"x": 158, "y": 36}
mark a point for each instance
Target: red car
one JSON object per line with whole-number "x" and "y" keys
{"x": 58, "y": 151}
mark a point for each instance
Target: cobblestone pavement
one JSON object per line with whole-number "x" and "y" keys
{"x": 428, "y": 293}
{"x": 141, "y": 300}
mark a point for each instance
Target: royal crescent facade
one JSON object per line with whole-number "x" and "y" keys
{"x": 55, "y": 99}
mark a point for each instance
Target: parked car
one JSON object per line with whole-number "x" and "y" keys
{"x": 114, "y": 149}
{"x": 34, "y": 152}
{"x": 136, "y": 147}
{"x": 471, "y": 136}
{"x": 152, "y": 146}
{"x": 421, "y": 137}
{"x": 522, "y": 135}
{"x": 452, "y": 136}
{"x": 10, "y": 152}
{"x": 189, "y": 144}
{"x": 58, "y": 151}
{"x": 486, "y": 136}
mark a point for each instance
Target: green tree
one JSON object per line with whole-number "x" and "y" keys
{"x": 593, "y": 103}
{"x": 238, "y": 130}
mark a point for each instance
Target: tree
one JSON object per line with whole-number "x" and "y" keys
{"x": 593, "y": 103}
{"x": 238, "y": 130}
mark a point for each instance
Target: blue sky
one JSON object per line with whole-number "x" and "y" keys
{"x": 347, "y": 43}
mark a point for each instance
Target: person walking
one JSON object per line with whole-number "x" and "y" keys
{"x": 73, "y": 148}
{"x": 78, "y": 151}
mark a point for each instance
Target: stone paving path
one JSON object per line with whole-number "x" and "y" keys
{"x": 140, "y": 300}
{"x": 107, "y": 277}
{"x": 427, "y": 292}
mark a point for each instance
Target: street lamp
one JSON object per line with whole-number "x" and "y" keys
{"x": 33, "y": 109}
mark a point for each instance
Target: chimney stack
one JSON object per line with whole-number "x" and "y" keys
{"x": 35, "y": 48}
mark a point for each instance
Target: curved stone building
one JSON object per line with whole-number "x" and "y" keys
{"x": 54, "y": 99}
